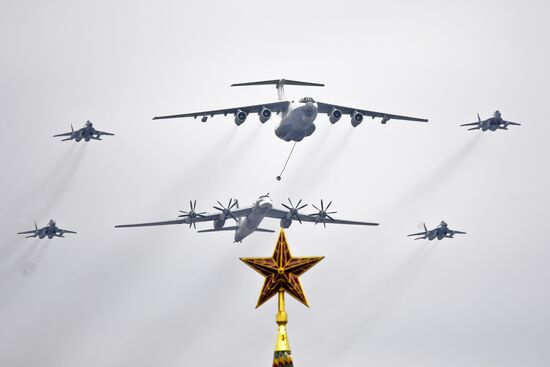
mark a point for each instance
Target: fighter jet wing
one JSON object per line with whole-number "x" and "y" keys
{"x": 417, "y": 234}
{"x": 275, "y": 107}
{"x": 513, "y": 123}
{"x": 457, "y": 232}
{"x": 66, "y": 231}
{"x": 327, "y": 108}
{"x": 27, "y": 232}
{"x": 64, "y": 134}
{"x": 479, "y": 122}
{"x": 104, "y": 133}
{"x": 278, "y": 214}
{"x": 205, "y": 218}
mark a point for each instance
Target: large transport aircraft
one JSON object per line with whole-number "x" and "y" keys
{"x": 297, "y": 117}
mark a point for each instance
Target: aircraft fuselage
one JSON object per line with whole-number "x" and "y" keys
{"x": 297, "y": 122}
{"x": 251, "y": 222}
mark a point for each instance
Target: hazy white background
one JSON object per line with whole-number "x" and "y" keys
{"x": 167, "y": 296}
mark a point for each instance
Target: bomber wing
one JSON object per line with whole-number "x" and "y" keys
{"x": 278, "y": 213}
{"x": 327, "y": 108}
{"x": 204, "y": 218}
{"x": 275, "y": 107}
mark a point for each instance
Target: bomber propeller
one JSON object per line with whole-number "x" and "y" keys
{"x": 227, "y": 210}
{"x": 293, "y": 210}
{"x": 322, "y": 214}
{"x": 192, "y": 214}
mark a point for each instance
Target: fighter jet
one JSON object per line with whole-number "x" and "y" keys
{"x": 440, "y": 232}
{"x": 87, "y": 132}
{"x": 492, "y": 123}
{"x": 50, "y": 231}
{"x": 297, "y": 117}
{"x": 248, "y": 220}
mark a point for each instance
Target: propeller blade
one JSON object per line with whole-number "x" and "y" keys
{"x": 299, "y": 202}
{"x": 302, "y": 207}
{"x": 220, "y": 204}
{"x": 290, "y": 201}
{"x": 218, "y": 208}
{"x": 286, "y": 206}
{"x": 329, "y": 217}
{"x": 315, "y": 208}
{"x": 328, "y": 206}
{"x": 322, "y": 206}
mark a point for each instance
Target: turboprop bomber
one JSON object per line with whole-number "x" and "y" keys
{"x": 248, "y": 219}
{"x": 296, "y": 117}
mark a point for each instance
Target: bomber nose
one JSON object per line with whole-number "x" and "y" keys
{"x": 266, "y": 204}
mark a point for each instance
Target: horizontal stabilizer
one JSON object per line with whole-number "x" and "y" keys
{"x": 232, "y": 228}
{"x": 264, "y": 230}
{"x": 279, "y": 82}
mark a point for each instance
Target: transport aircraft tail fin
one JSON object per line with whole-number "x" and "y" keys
{"x": 279, "y": 84}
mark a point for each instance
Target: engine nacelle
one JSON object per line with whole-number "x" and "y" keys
{"x": 334, "y": 115}
{"x": 265, "y": 114}
{"x": 356, "y": 118}
{"x": 220, "y": 222}
{"x": 240, "y": 117}
{"x": 286, "y": 222}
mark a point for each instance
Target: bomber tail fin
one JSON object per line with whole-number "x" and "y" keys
{"x": 279, "y": 84}
{"x": 425, "y": 228}
{"x": 478, "y": 118}
{"x": 72, "y": 128}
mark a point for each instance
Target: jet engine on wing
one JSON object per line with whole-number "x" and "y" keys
{"x": 334, "y": 115}
{"x": 356, "y": 118}
{"x": 240, "y": 117}
{"x": 265, "y": 114}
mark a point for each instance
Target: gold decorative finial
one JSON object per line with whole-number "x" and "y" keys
{"x": 281, "y": 272}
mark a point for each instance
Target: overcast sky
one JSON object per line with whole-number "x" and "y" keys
{"x": 168, "y": 296}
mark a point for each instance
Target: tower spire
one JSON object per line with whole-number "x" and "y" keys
{"x": 281, "y": 272}
{"x": 282, "y": 356}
